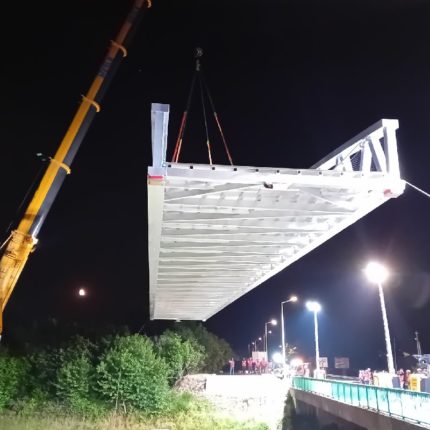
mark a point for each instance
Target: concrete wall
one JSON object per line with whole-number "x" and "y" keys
{"x": 346, "y": 417}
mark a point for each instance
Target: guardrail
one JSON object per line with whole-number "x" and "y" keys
{"x": 403, "y": 404}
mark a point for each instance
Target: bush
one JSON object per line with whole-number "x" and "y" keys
{"x": 13, "y": 372}
{"x": 181, "y": 356}
{"x": 62, "y": 372}
{"x": 74, "y": 379}
{"x": 217, "y": 351}
{"x": 131, "y": 376}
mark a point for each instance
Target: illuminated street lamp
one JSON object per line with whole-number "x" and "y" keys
{"x": 82, "y": 292}
{"x": 377, "y": 274}
{"x": 315, "y": 307}
{"x": 291, "y": 299}
{"x": 273, "y": 322}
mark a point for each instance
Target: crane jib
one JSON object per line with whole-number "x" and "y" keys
{"x": 22, "y": 240}
{"x": 106, "y": 72}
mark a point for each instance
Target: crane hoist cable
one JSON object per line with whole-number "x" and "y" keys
{"x": 198, "y": 75}
{"x": 218, "y": 123}
{"x": 202, "y": 98}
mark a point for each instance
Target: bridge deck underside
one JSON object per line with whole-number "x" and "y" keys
{"x": 217, "y": 232}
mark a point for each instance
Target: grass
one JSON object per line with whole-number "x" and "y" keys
{"x": 187, "y": 413}
{"x": 178, "y": 422}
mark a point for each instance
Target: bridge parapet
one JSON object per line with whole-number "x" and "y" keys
{"x": 374, "y": 149}
{"x": 410, "y": 406}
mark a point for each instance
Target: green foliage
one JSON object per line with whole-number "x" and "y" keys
{"x": 182, "y": 356}
{"x": 73, "y": 384}
{"x": 61, "y": 372}
{"x": 131, "y": 376}
{"x": 127, "y": 373}
{"x": 188, "y": 403}
{"x": 13, "y": 371}
{"x": 217, "y": 351}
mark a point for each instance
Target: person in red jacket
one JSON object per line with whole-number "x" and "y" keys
{"x": 249, "y": 364}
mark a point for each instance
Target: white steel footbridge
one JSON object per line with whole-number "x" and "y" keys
{"x": 216, "y": 232}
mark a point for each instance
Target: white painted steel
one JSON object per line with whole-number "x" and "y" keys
{"x": 217, "y": 232}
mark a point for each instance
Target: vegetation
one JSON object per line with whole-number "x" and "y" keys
{"x": 12, "y": 375}
{"x": 217, "y": 351}
{"x": 183, "y": 355}
{"x": 112, "y": 381}
{"x": 131, "y": 375}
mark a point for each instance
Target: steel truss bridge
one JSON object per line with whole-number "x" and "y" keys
{"x": 216, "y": 232}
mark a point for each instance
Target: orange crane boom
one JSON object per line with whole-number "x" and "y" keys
{"x": 23, "y": 239}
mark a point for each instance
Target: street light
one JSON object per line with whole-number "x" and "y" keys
{"x": 291, "y": 299}
{"x": 315, "y": 307}
{"x": 377, "y": 274}
{"x": 273, "y": 322}
{"x": 255, "y": 343}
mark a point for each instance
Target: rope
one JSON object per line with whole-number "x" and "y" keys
{"x": 30, "y": 190}
{"x": 202, "y": 97}
{"x": 5, "y": 242}
{"x": 418, "y": 189}
{"x": 203, "y": 86}
{"x": 218, "y": 122}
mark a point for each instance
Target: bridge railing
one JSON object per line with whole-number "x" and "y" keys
{"x": 403, "y": 404}
{"x": 374, "y": 149}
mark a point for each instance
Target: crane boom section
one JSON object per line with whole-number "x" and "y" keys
{"x": 24, "y": 238}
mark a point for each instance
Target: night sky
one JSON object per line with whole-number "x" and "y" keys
{"x": 291, "y": 80}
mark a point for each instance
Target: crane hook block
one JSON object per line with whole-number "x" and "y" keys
{"x": 94, "y": 103}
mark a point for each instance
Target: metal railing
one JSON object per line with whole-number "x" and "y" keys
{"x": 374, "y": 149}
{"x": 403, "y": 404}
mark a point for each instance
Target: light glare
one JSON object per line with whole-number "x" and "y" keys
{"x": 296, "y": 362}
{"x": 277, "y": 357}
{"x": 273, "y": 322}
{"x": 82, "y": 292}
{"x": 313, "y": 306}
{"x": 293, "y": 299}
{"x": 376, "y": 272}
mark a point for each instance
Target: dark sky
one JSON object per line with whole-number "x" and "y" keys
{"x": 291, "y": 80}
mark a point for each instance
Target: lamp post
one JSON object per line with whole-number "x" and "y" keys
{"x": 291, "y": 299}
{"x": 255, "y": 343}
{"x": 377, "y": 274}
{"x": 273, "y": 322}
{"x": 315, "y": 307}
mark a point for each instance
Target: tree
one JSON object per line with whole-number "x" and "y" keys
{"x": 13, "y": 371}
{"x": 181, "y": 355}
{"x": 75, "y": 374}
{"x": 217, "y": 350}
{"x": 130, "y": 375}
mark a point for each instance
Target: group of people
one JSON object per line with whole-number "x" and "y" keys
{"x": 404, "y": 378}
{"x": 251, "y": 366}
{"x": 366, "y": 377}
